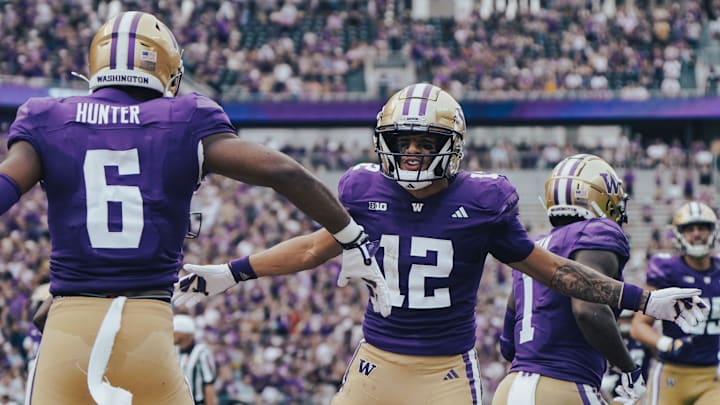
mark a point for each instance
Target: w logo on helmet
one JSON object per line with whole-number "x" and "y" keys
{"x": 612, "y": 185}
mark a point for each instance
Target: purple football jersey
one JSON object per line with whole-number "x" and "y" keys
{"x": 432, "y": 253}
{"x": 119, "y": 175}
{"x": 548, "y": 341}
{"x": 665, "y": 270}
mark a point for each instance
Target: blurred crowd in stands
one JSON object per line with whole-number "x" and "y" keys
{"x": 285, "y": 340}
{"x": 312, "y": 48}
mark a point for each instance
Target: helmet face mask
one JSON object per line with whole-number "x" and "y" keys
{"x": 135, "y": 49}
{"x": 689, "y": 214}
{"x": 421, "y": 110}
{"x": 585, "y": 186}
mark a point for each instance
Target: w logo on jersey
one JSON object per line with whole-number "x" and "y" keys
{"x": 366, "y": 367}
{"x": 417, "y": 206}
{"x": 612, "y": 185}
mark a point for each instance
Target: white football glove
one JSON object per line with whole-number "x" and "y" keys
{"x": 202, "y": 282}
{"x": 358, "y": 261}
{"x": 632, "y": 387}
{"x": 680, "y": 305}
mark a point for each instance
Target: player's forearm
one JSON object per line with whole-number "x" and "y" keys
{"x": 579, "y": 281}
{"x": 295, "y": 255}
{"x": 599, "y": 327}
{"x": 259, "y": 165}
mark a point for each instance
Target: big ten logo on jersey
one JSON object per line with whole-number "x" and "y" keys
{"x": 712, "y": 325}
{"x": 366, "y": 367}
{"x": 377, "y": 206}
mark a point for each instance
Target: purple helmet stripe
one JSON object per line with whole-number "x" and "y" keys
{"x": 424, "y": 102}
{"x": 131, "y": 43}
{"x": 408, "y": 99}
{"x": 568, "y": 186}
{"x": 113, "y": 42}
{"x": 556, "y": 186}
{"x": 470, "y": 376}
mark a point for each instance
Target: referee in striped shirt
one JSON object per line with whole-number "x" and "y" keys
{"x": 196, "y": 361}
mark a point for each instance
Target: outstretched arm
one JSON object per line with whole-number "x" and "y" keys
{"x": 296, "y": 254}
{"x": 259, "y": 165}
{"x": 680, "y": 305}
{"x": 573, "y": 278}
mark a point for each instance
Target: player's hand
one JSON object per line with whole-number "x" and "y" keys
{"x": 359, "y": 262}
{"x": 666, "y": 344}
{"x": 632, "y": 387}
{"x": 202, "y": 282}
{"x": 680, "y": 305}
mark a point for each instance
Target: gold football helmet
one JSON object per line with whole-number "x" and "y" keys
{"x": 135, "y": 49}
{"x": 584, "y": 186}
{"x": 421, "y": 109}
{"x": 691, "y": 213}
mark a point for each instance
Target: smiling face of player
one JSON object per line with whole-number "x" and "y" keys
{"x": 416, "y": 145}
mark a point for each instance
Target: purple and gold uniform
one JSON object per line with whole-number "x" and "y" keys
{"x": 119, "y": 175}
{"x": 550, "y": 349}
{"x": 691, "y": 372}
{"x": 432, "y": 253}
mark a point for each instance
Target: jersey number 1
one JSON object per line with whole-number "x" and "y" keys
{"x": 527, "y": 331}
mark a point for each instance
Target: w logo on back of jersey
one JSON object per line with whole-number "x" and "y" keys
{"x": 366, "y": 367}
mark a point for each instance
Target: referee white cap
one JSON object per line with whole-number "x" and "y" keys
{"x": 183, "y": 324}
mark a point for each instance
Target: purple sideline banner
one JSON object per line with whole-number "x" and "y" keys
{"x": 364, "y": 113}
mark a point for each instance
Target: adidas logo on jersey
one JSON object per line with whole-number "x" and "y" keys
{"x": 460, "y": 213}
{"x": 451, "y": 375}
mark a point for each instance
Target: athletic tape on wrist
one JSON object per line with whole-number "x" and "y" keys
{"x": 348, "y": 234}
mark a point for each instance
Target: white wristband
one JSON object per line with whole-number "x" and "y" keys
{"x": 349, "y": 233}
{"x": 664, "y": 344}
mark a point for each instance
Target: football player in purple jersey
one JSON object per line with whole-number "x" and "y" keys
{"x": 558, "y": 345}
{"x": 434, "y": 226}
{"x": 685, "y": 370}
{"x": 119, "y": 167}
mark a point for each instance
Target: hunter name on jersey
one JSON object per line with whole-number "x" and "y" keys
{"x": 102, "y": 114}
